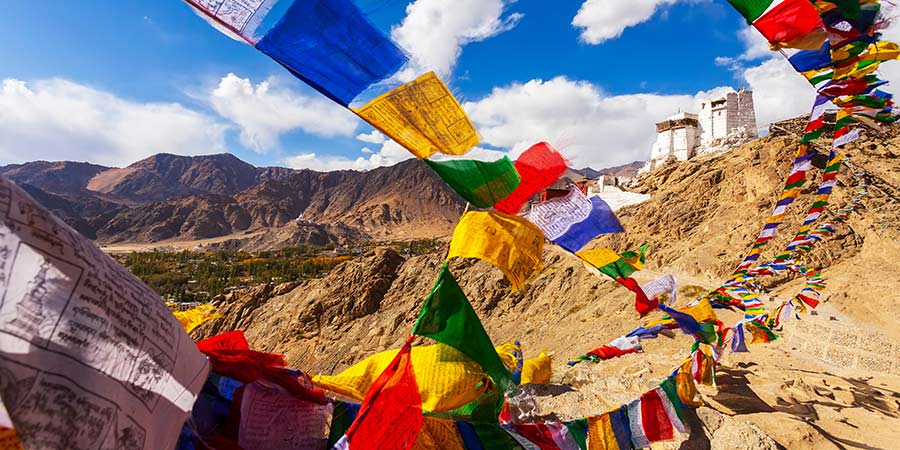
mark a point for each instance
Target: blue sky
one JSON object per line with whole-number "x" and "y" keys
{"x": 114, "y": 82}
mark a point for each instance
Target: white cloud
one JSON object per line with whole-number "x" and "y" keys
{"x": 590, "y": 127}
{"x": 434, "y": 31}
{"x": 391, "y": 153}
{"x": 266, "y": 111}
{"x": 375, "y": 137}
{"x": 602, "y": 20}
{"x": 779, "y": 92}
{"x": 58, "y": 119}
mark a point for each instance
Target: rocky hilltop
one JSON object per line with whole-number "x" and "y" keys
{"x": 832, "y": 381}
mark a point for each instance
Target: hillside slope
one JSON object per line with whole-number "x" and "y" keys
{"x": 834, "y": 377}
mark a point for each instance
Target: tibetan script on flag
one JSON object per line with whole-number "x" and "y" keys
{"x": 90, "y": 357}
{"x": 423, "y": 117}
{"x": 511, "y": 243}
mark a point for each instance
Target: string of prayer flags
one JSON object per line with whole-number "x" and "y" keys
{"x": 332, "y": 46}
{"x": 448, "y": 317}
{"x": 511, "y": 243}
{"x": 447, "y": 378}
{"x": 574, "y": 220}
{"x": 539, "y": 167}
{"x": 620, "y": 268}
{"x": 619, "y": 346}
{"x": 654, "y": 417}
{"x": 390, "y": 417}
{"x": 237, "y": 19}
{"x": 478, "y": 182}
{"x": 423, "y": 116}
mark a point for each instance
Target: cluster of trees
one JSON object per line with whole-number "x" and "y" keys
{"x": 188, "y": 276}
{"x": 192, "y": 276}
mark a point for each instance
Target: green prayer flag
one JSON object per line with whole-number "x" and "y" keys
{"x": 480, "y": 183}
{"x": 671, "y": 389}
{"x": 448, "y": 317}
{"x": 578, "y": 429}
{"x": 751, "y": 9}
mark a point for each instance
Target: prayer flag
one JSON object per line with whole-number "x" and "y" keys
{"x": 539, "y": 167}
{"x": 668, "y": 395}
{"x": 238, "y": 19}
{"x": 448, "y": 317}
{"x": 684, "y": 381}
{"x": 447, "y": 378}
{"x": 196, "y": 316}
{"x": 620, "y": 268}
{"x": 574, "y": 220}
{"x": 230, "y": 355}
{"x": 438, "y": 434}
{"x": 332, "y": 46}
{"x": 663, "y": 285}
{"x": 391, "y": 415}
{"x": 511, "y": 243}
{"x": 423, "y": 117}
{"x": 788, "y": 20}
{"x": 543, "y": 435}
{"x": 480, "y": 183}
{"x": 537, "y": 370}
{"x": 609, "y": 431}
{"x": 751, "y": 9}
{"x": 90, "y": 357}
{"x": 619, "y": 346}
{"x": 485, "y": 436}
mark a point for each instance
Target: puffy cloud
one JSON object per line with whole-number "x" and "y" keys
{"x": 779, "y": 92}
{"x": 434, "y": 31}
{"x": 58, "y": 119}
{"x": 590, "y": 127}
{"x": 391, "y": 153}
{"x": 602, "y": 20}
{"x": 375, "y": 137}
{"x": 266, "y": 111}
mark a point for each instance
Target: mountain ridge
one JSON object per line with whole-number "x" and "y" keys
{"x": 167, "y": 198}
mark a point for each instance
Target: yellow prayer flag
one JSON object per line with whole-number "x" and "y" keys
{"x": 447, "y": 378}
{"x": 684, "y": 381}
{"x": 511, "y": 243}
{"x": 423, "y": 117}
{"x": 438, "y": 434}
{"x": 598, "y": 257}
{"x": 702, "y": 311}
{"x": 196, "y": 316}
{"x": 537, "y": 370}
{"x": 600, "y": 433}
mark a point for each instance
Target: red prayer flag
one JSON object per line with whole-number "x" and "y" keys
{"x": 230, "y": 355}
{"x": 642, "y": 304}
{"x": 655, "y": 421}
{"x": 390, "y": 417}
{"x": 539, "y": 167}
{"x": 790, "y": 20}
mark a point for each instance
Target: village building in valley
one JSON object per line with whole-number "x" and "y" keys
{"x": 721, "y": 124}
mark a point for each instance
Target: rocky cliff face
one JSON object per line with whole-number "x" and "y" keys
{"x": 824, "y": 377}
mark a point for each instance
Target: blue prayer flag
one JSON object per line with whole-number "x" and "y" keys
{"x": 333, "y": 47}
{"x": 602, "y": 220}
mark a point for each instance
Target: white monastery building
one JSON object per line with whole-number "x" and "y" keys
{"x": 722, "y": 123}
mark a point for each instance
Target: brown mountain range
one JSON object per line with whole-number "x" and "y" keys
{"x": 168, "y": 198}
{"x": 177, "y": 198}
